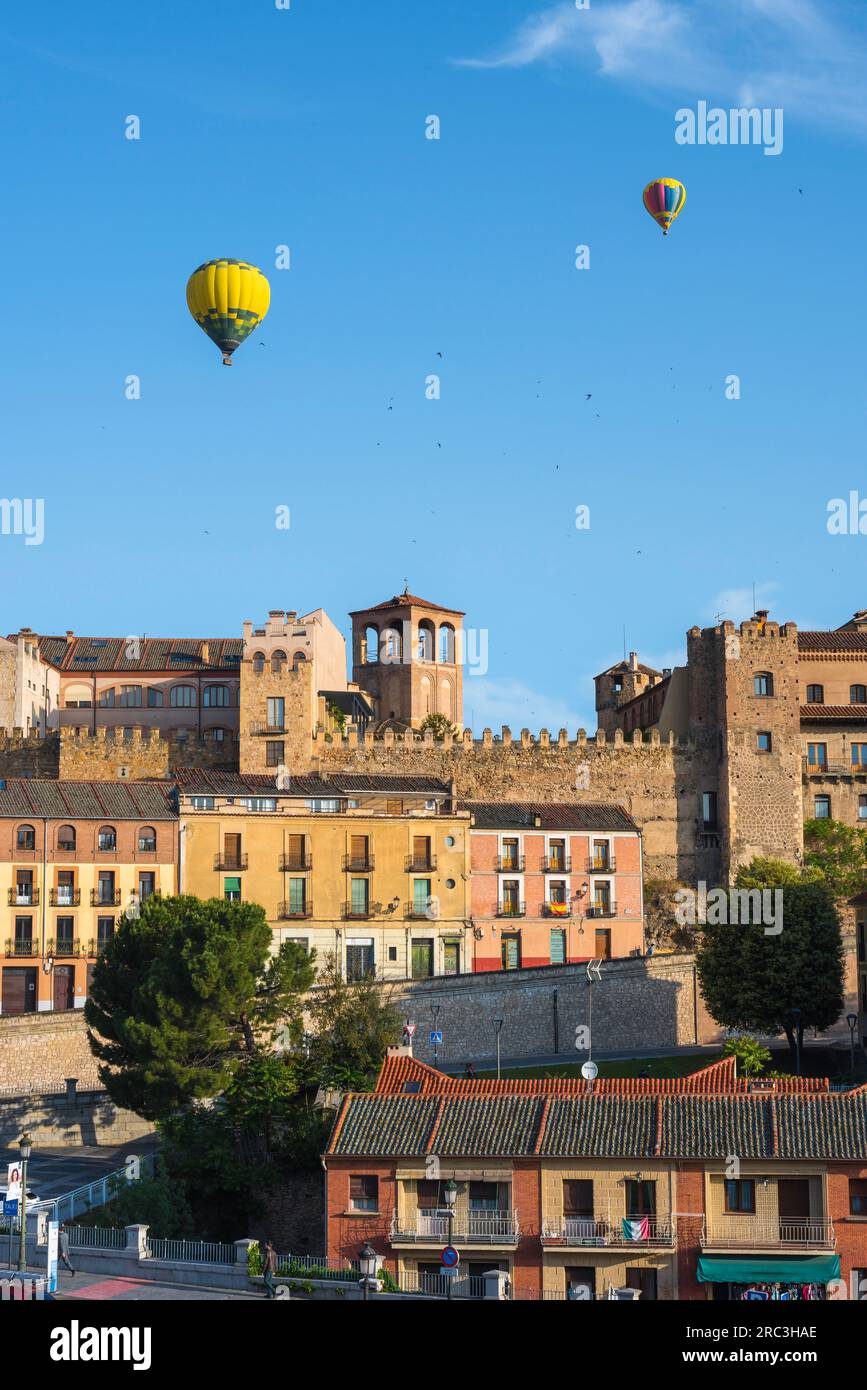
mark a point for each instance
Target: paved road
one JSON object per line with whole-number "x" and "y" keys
{"x": 93, "y": 1288}
{"x": 51, "y": 1172}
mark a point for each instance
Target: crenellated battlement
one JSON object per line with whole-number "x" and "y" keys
{"x": 140, "y": 734}
{"x": 466, "y": 740}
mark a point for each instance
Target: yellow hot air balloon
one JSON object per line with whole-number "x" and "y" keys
{"x": 664, "y": 200}
{"x": 228, "y": 299}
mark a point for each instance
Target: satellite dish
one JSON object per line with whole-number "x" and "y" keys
{"x": 589, "y": 1071}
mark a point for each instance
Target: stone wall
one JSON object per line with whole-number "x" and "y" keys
{"x": 54, "y": 1122}
{"x": 108, "y": 754}
{"x": 40, "y": 1051}
{"x": 294, "y": 1213}
{"x": 32, "y": 755}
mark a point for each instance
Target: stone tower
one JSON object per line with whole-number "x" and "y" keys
{"x": 407, "y": 656}
{"x": 744, "y": 713}
{"x": 617, "y": 686}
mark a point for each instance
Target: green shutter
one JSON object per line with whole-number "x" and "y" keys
{"x": 558, "y": 946}
{"x": 296, "y": 895}
{"x": 420, "y": 894}
{"x": 359, "y": 895}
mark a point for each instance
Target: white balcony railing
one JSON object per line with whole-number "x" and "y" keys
{"x": 597, "y": 1231}
{"x": 480, "y": 1227}
{"x": 775, "y": 1235}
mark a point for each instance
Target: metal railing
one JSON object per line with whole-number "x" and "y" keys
{"x": 512, "y": 910}
{"x": 556, "y": 864}
{"x": 230, "y": 863}
{"x": 357, "y": 914}
{"x": 181, "y": 1252}
{"x": 21, "y": 946}
{"x": 97, "y": 1237}
{"x": 510, "y": 864}
{"x": 287, "y": 912}
{"x": 105, "y": 897}
{"x": 296, "y": 863}
{"x": 486, "y": 1227}
{"x": 834, "y": 769}
{"x": 552, "y": 909}
{"x": 421, "y": 863}
{"x": 358, "y": 864}
{"x": 23, "y": 896}
{"x": 771, "y": 1235}
{"x": 602, "y": 910}
{"x": 64, "y": 947}
{"x": 601, "y": 1231}
{"x": 65, "y": 897}
{"x": 260, "y": 726}
{"x": 95, "y": 1194}
{"x": 317, "y": 1267}
{"x": 437, "y": 1285}
{"x": 606, "y": 865}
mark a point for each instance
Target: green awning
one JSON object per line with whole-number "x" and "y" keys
{"x": 768, "y": 1269}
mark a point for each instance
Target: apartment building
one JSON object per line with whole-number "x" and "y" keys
{"x": 553, "y": 883}
{"x": 374, "y": 869}
{"x": 73, "y": 857}
{"x": 570, "y": 1188}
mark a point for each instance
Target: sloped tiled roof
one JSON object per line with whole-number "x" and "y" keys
{"x": 841, "y": 640}
{"x": 404, "y": 600}
{"x": 199, "y": 781}
{"x": 625, "y": 666}
{"x": 552, "y": 815}
{"x": 155, "y": 654}
{"x": 854, "y": 712}
{"x": 57, "y": 800}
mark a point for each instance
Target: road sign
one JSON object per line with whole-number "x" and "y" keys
{"x": 450, "y": 1259}
{"x": 409, "y": 1029}
{"x": 13, "y": 1181}
{"x": 436, "y": 1038}
{"x": 10, "y": 1208}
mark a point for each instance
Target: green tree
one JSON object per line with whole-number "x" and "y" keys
{"x": 182, "y": 996}
{"x": 353, "y": 1023}
{"x": 838, "y": 854}
{"x": 781, "y": 983}
{"x": 770, "y": 873}
{"x": 752, "y": 1055}
{"x": 438, "y": 724}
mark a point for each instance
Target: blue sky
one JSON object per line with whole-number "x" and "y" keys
{"x": 306, "y": 127}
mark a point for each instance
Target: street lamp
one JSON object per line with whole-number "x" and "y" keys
{"x": 450, "y": 1193}
{"x": 367, "y": 1260}
{"x": 24, "y": 1147}
{"x": 498, "y": 1024}
{"x": 852, "y": 1020}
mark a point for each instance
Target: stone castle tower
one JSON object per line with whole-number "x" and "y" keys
{"x": 407, "y": 656}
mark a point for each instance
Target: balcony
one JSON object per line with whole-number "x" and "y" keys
{"x": 357, "y": 864}
{"x": 512, "y": 910}
{"x": 296, "y": 863}
{"x": 416, "y": 912}
{"x": 608, "y": 865}
{"x": 467, "y": 1228}
{"x": 602, "y": 910}
{"x": 833, "y": 769}
{"x": 293, "y": 912}
{"x": 65, "y": 897}
{"x": 420, "y": 864}
{"x": 510, "y": 863}
{"x": 230, "y": 863}
{"x": 354, "y": 913}
{"x": 64, "y": 949}
{"x": 105, "y": 897}
{"x": 95, "y": 948}
{"x": 777, "y": 1235}
{"x": 23, "y": 895}
{"x": 21, "y": 946}
{"x": 596, "y": 1232}
{"x": 556, "y": 864}
{"x": 262, "y": 729}
{"x": 563, "y": 911}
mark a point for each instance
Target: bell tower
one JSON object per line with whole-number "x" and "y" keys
{"x": 408, "y": 656}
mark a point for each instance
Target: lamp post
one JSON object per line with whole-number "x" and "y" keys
{"x": 450, "y": 1193}
{"x": 852, "y": 1020}
{"x": 367, "y": 1260}
{"x": 498, "y": 1024}
{"x": 24, "y": 1147}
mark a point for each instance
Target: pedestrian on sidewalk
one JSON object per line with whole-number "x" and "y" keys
{"x": 269, "y": 1269}
{"x": 63, "y": 1247}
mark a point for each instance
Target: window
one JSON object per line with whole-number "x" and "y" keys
{"x": 232, "y": 890}
{"x": 155, "y": 698}
{"x": 817, "y": 755}
{"x": 822, "y": 808}
{"x": 107, "y": 699}
{"x": 217, "y": 734}
{"x": 763, "y": 683}
{"x": 106, "y": 838}
{"x": 763, "y": 741}
{"x": 24, "y": 895}
{"x": 66, "y": 838}
{"x": 202, "y": 803}
{"x": 392, "y": 953}
{"x": 275, "y": 752}
{"x": 557, "y": 855}
{"x": 862, "y": 807}
{"x": 640, "y": 1198}
{"x": 147, "y": 839}
{"x": 23, "y": 936}
{"x": 815, "y": 694}
{"x": 216, "y": 695}
{"x": 421, "y": 853}
{"x": 104, "y": 931}
{"x": 183, "y": 696}
{"x": 601, "y": 856}
{"x": 858, "y": 1196}
{"x": 26, "y": 837}
{"x": 858, "y": 753}
{"x": 105, "y": 886}
{"x": 421, "y": 897}
{"x": 258, "y": 662}
{"x": 708, "y": 811}
{"x": 510, "y": 853}
{"x": 363, "y": 1193}
{"x": 298, "y": 660}
{"x": 297, "y": 897}
{"x": 278, "y": 661}
{"x": 65, "y": 892}
{"x": 602, "y": 899}
{"x": 511, "y": 899}
{"x": 558, "y": 946}
{"x": 360, "y": 964}
{"x": 258, "y": 803}
{"x": 741, "y": 1195}
{"x": 394, "y": 808}
{"x": 324, "y": 805}
{"x": 359, "y": 890}
{"x": 65, "y": 935}
{"x": 578, "y": 1197}
{"x": 130, "y": 696}
{"x": 147, "y": 884}
{"x": 276, "y": 712}
{"x": 359, "y": 852}
{"x": 858, "y": 694}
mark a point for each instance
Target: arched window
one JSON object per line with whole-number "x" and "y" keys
{"x": 156, "y": 698}
{"x": 391, "y": 646}
{"x": 183, "y": 696}
{"x": 371, "y": 645}
{"x": 25, "y": 837}
{"x": 106, "y": 838}
{"x": 66, "y": 838}
{"x": 78, "y": 697}
{"x": 278, "y": 661}
{"x": 446, "y": 699}
{"x": 106, "y": 699}
{"x": 447, "y": 644}
{"x": 425, "y": 695}
{"x": 214, "y": 695}
{"x": 298, "y": 659}
{"x": 426, "y": 640}
{"x": 258, "y": 662}
{"x": 763, "y": 683}
{"x": 147, "y": 839}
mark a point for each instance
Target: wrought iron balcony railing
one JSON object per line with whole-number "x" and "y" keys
{"x": 465, "y": 1228}
{"x": 230, "y": 863}
{"x": 421, "y": 863}
{"x": 105, "y": 897}
{"x": 296, "y": 863}
{"x": 24, "y": 895}
{"x": 517, "y": 909}
{"x": 606, "y": 865}
{"x": 65, "y": 897}
{"x": 556, "y": 864}
{"x": 510, "y": 863}
{"x": 357, "y": 863}
{"x": 287, "y": 912}
{"x": 591, "y": 1231}
{"x": 742, "y": 1233}
{"x": 21, "y": 946}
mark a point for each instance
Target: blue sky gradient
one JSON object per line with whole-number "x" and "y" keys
{"x": 307, "y": 127}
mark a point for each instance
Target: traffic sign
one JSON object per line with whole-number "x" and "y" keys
{"x": 409, "y": 1029}
{"x": 436, "y": 1038}
{"x": 450, "y": 1259}
{"x": 10, "y": 1206}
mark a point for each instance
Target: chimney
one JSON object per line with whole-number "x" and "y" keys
{"x": 761, "y": 616}
{"x": 203, "y": 652}
{"x": 70, "y": 636}
{"x": 633, "y": 661}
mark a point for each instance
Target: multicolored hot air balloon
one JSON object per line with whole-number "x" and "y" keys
{"x": 228, "y": 299}
{"x": 664, "y": 200}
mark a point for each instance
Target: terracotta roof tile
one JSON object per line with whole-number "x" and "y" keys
{"x": 553, "y": 815}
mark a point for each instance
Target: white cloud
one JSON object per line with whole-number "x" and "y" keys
{"x": 701, "y": 48}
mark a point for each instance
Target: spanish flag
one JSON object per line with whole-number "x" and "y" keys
{"x": 558, "y": 909}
